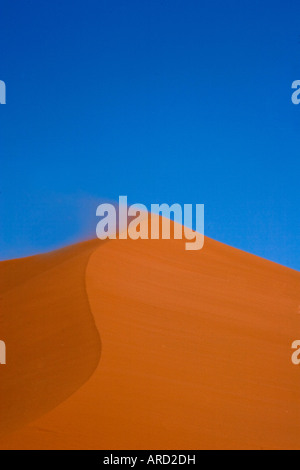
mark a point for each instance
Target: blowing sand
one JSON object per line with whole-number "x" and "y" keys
{"x": 142, "y": 345}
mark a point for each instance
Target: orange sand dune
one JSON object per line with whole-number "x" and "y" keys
{"x": 52, "y": 343}
{"x": 196, "y": 349}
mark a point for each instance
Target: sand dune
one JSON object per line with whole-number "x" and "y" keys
{"x": 52, "y": 343}
{"x": 195, "y": 349}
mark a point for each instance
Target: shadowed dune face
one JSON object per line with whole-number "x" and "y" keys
{"x": 52, "y": 343}
{"x": 196, "y": 352}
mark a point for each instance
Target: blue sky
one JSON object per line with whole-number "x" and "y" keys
{"x": 161, "y": 100}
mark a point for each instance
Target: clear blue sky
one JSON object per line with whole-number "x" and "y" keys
{"x": 161, "y": 100}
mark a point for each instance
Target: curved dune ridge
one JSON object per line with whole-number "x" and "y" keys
{"x": 195, "y": 349}
{"x": 53, "y": 345}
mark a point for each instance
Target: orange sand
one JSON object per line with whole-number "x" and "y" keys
{"x": 195, "y": 349}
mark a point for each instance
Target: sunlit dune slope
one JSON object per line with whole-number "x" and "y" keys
{"x": 196, "y": 351}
